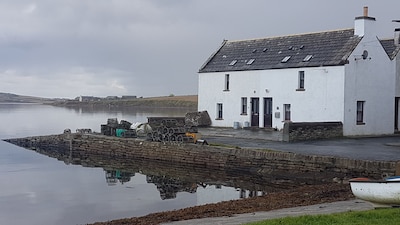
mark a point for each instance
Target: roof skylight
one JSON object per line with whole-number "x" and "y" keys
{"x": 286, "y": 59}
{"x": 307, "y": 58}
{"x": 233, "y": 62}
{"x": 250, "y": 61}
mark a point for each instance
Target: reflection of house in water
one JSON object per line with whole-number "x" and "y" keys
{"x": 218, "y": 193}
{"x": 113, "y": 176}
{"x": 168, "y": 187}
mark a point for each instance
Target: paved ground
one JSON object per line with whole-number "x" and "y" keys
{"x": 327, "y": 208}
{"x": 385, "y": 148}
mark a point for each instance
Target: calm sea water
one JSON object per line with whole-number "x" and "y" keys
{"x": 38, "y": 189}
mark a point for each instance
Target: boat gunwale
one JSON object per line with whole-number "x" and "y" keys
{"x": 374, "y": 181}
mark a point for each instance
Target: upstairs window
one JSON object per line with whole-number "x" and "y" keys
{"x": 360, "y": 112}
{"x": 219, "y": 111}
{"x": 226, "y": 82}
{"x": 300, "y": 86}
{"x": 244, "y": 106}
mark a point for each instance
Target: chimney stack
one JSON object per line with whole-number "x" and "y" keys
{"x": 397, "y": 37}
{"x": 364, "y": 25}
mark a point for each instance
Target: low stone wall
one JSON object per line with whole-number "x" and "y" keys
{"x": 277, "y": 165}
{"x": 311, "y": 131}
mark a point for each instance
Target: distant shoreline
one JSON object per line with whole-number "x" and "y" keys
{"x": 189, "y": 101}
{"x": 184, "y": 101}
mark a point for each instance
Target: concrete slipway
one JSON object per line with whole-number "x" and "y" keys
{"x": 386, "y": 148}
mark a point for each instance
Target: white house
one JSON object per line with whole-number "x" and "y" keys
{"x": 349, "y": 76}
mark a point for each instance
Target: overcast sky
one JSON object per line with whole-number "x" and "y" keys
{"x": 67, "y": 48}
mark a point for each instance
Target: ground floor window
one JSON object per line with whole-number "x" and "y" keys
{"x": 244, "y": 106}
{"x": 360, "y": 112}
{"x": 286, "y": 107}
{"x": 219, "y": 111}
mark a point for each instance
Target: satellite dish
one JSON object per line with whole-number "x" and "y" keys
{"x": 365, "y": 54}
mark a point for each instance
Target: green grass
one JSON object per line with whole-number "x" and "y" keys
{"x": 371, "y": 217}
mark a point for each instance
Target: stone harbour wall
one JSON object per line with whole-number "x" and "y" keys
{"x": 263, "y": 162}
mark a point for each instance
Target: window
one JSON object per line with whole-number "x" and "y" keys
{"x": 226, "y": 82}
{"x": 219, "y": 111}
{"x": 360, "y": 112}
{"x": 233, "y": 62}
{"x": 307, "y": 58}
{"x": 286, "y": 107}
{"x": 301, "y": 81}
{"x": 286, "y": 59}
{"x": 250, "y": 61}
{"x": 244, "y": 106}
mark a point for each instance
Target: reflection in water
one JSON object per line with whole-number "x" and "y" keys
{"x": 171, "y": 179}
{"x": 113, "y": 176}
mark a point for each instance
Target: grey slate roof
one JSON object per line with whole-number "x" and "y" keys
{"x": 330, "y": 48}
{"x": 390, "y": 48}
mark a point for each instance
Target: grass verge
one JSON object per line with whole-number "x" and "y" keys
{"x": 379, "y": 216}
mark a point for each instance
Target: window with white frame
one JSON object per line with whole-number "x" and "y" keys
{"x": 360, "y": 112}
{"x": 226, "y": 82}
{"x": 286, "y": 107}
{"x": 300, "y": 86}
{"x": 219, "y": 111}
{"x": 244, "y": 106}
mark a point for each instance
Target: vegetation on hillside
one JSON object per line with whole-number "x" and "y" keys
{"x": 13, "y": 98}
{"x": 189, "y": 101}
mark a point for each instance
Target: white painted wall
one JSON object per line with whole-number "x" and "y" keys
{"x": 322, "y": 100}
{"x": 371, "y": 80}
{"x": 331, "y": 93}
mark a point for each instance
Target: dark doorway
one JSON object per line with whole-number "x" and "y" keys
{"x": 255, "y": 109}
{"x": 268, "y": 112}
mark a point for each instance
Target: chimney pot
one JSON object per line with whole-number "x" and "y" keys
{"x": 365, "y": 11}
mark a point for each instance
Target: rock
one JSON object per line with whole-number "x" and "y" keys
{"x": 197, "y": 119}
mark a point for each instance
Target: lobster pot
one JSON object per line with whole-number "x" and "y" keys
{"x": 129, "y": 134}
{"x": 112, "y": 122}
{"x": 125, "y": 124}
{"x": 105, "y": 130}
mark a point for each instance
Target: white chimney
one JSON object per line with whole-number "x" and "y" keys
{"x": 364, "y": 25}
{"x": 397, "y": 37}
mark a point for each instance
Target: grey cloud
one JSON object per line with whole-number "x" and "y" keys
{"x": 146, "y": 47}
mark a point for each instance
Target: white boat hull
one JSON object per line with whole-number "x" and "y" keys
{"x": 380, "y": 193}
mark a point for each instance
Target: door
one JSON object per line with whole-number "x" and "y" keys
{"x": 255, "y": 108}
{"x": 268, "y": 112}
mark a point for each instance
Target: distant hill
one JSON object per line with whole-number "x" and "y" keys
{"x": 163, "y": 101}
{"x": 13, "y": 98}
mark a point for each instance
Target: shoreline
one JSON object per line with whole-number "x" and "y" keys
{"x": 189, "y": 101}
{"x": 299, "y": 197}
